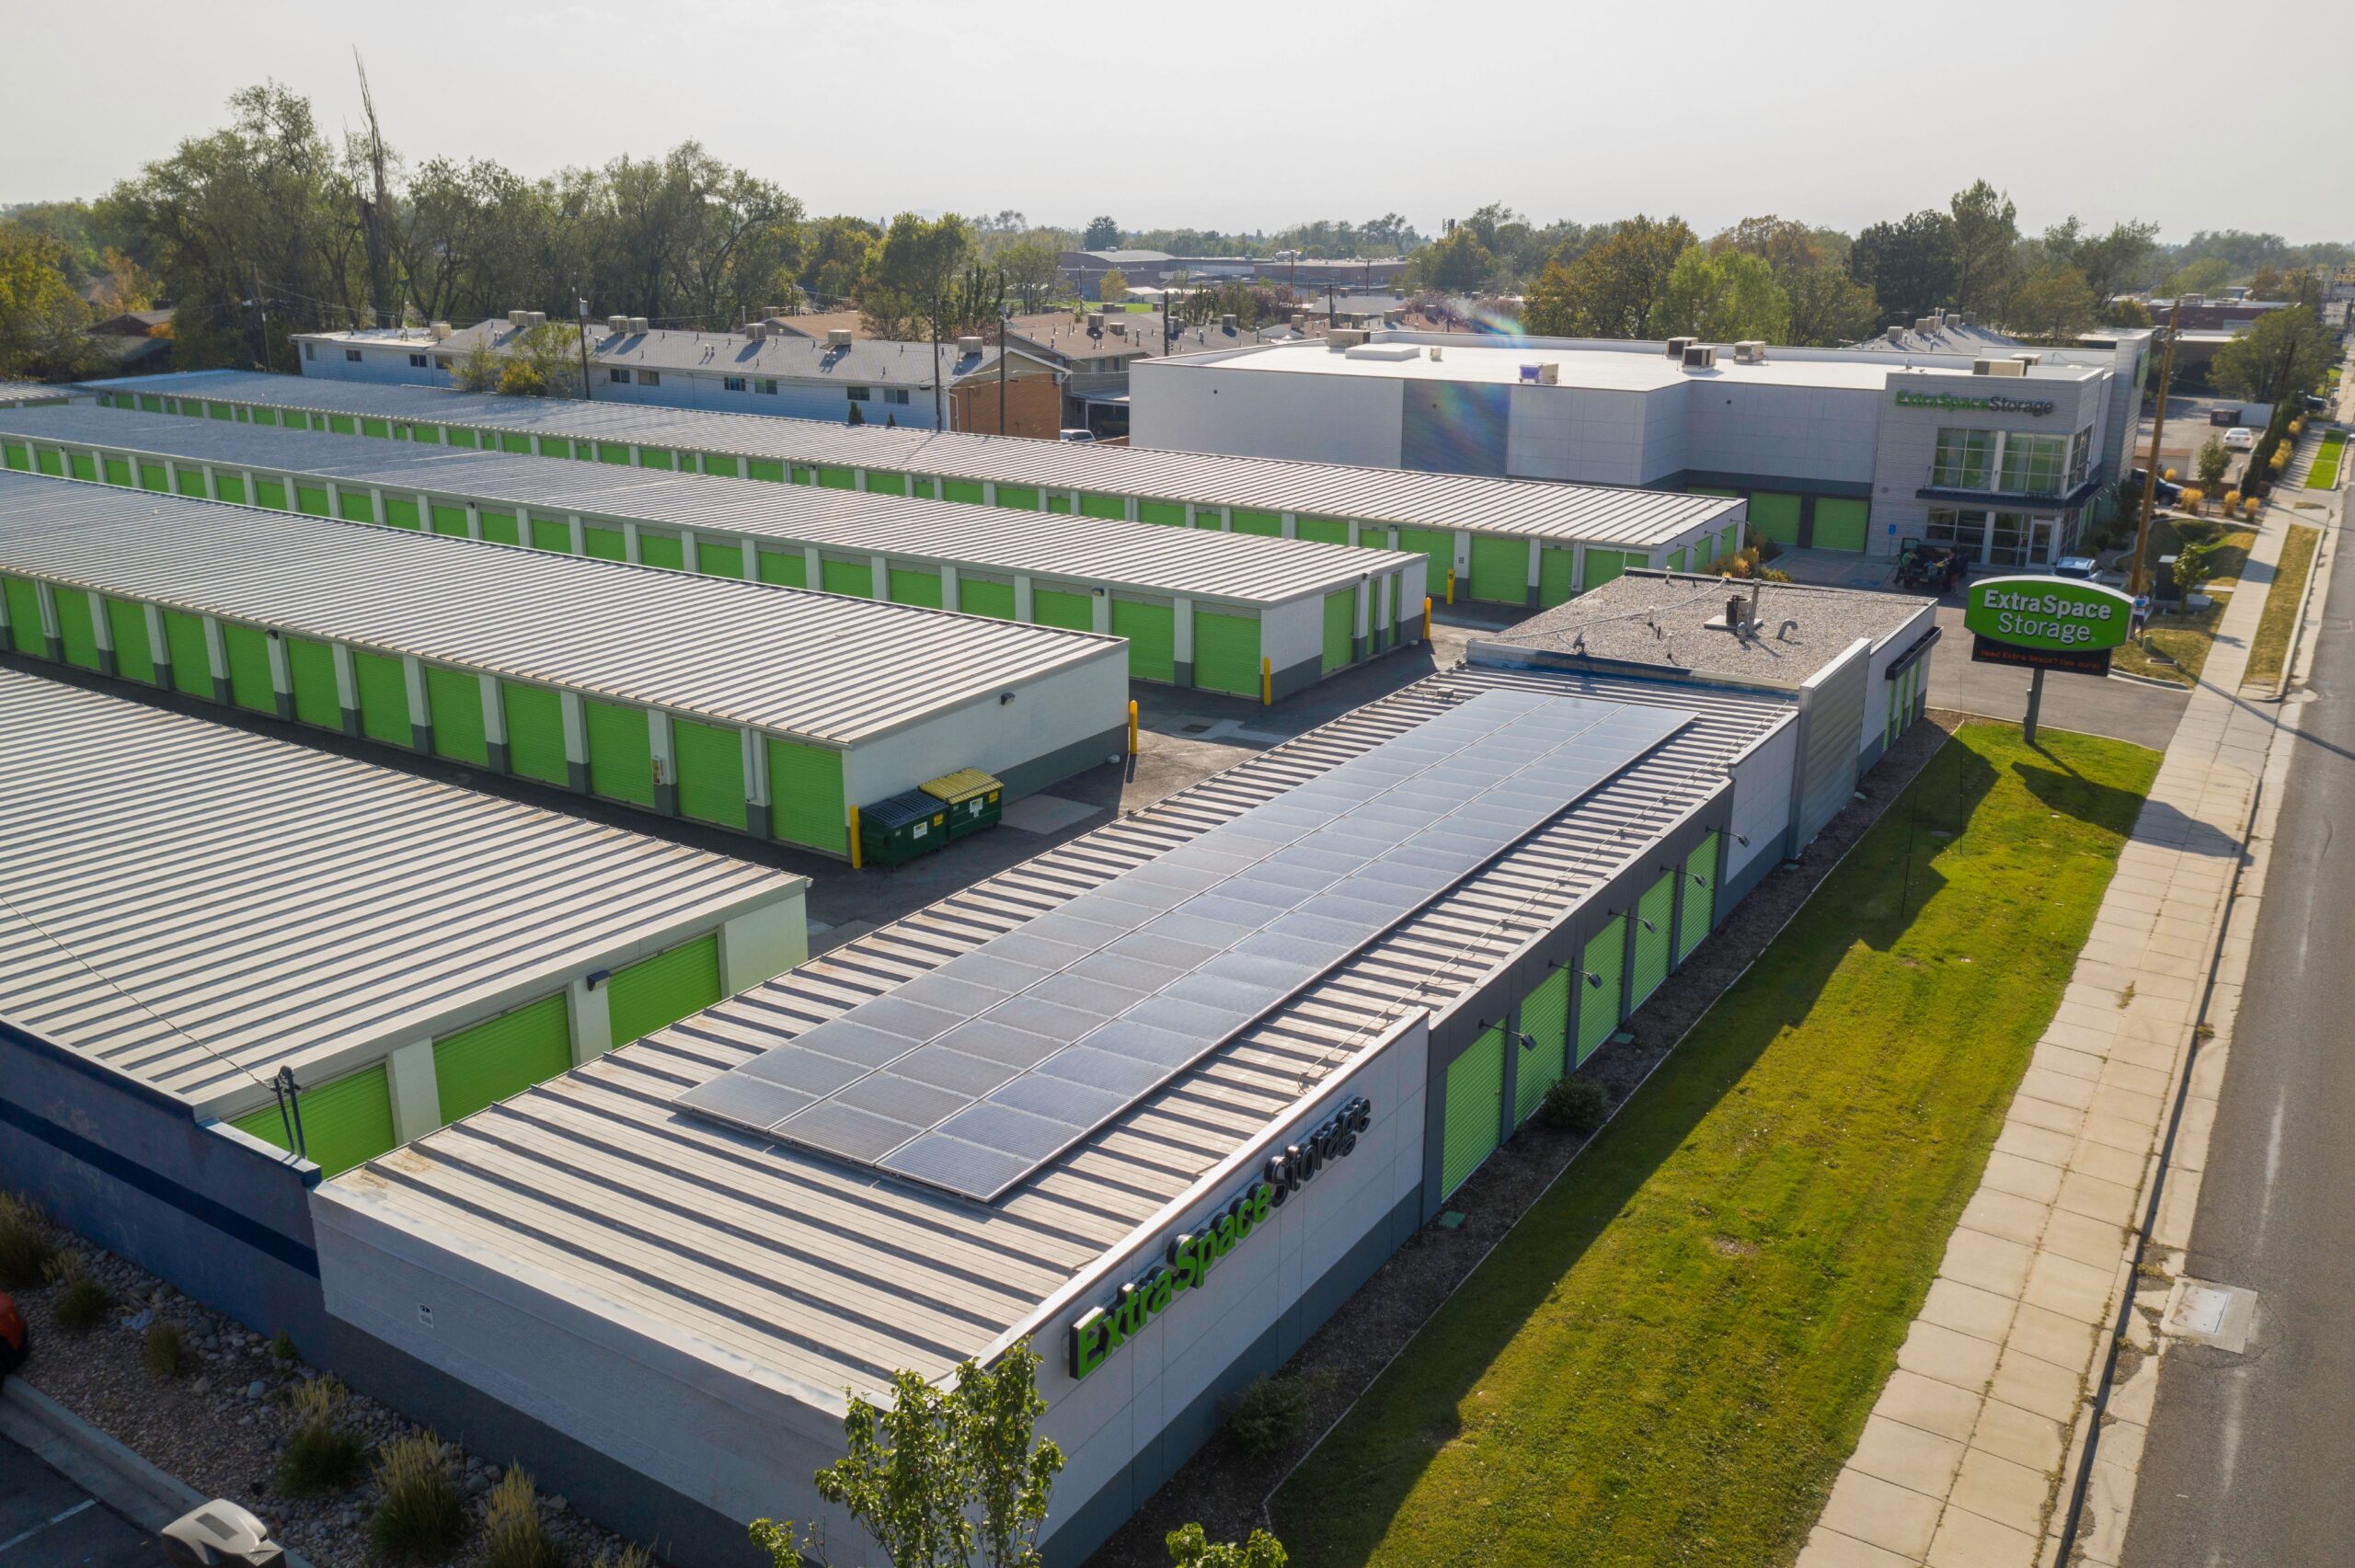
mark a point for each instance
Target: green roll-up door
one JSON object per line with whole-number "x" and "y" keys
{"x": 1545, "y": 1020}
{"x": 915, "y": 585}
{"x": 665, "y": 550}
{"x": 720, "y": 560}
{"x": 879, "y": 482}
{"x": 1072, "y": 611}
{"x": 16, "y": 455}
{"x": 153, "y": 477}
{"x": 516, "y": 441}
{"x": 1054, "y": 500}
{"x": 189, "y": 481}
{"x": 1602, "y": 566}
{"x": 344, "y": 1123}
{"x": 656, "y": 457}
{"x": 24, "y": 622}
{"x": 1019, "y": 497}
{"x": 502, "y": 528}
{"x": 1226, "y": 653}
{"x": 1325, "y": 530}
{"x": 1775, "y": 516}
{"x": 457, "y": 435}
{"x": 1476, "y": 1094}
{"x": 1499, "y": 569}
{"x": 118, "y": 472}
{"x": 1341, "y": 627}
{"x": 766, "y": 468}
{"x": 269, "y": 494}
{"x": 249, "y": 682}
{"x": 621, "y": 751}
{"x": 383, "y": 686}
{"x": 979, "y": 596}
{"x": 711, "y": 772}
{"x": 656, "y": 992}
{"x": 230, "y": 487}
{"x": 806, "y": 804}
{"x": 833, "y": 478}
{"x": 454, "y": 700}
{"x": 81, "y": 466}
{"x": 311, "y": 501}
{"x": 46, "y": 459}
{"x": 134, "y": 658}
{"x": 855, "y": 578}
{"x": 1439, "y": 548}
{"x": 1210, "y": 517}
{"x": 786, "y": 570}
{"x": 1167, "y": 513}
{"x": 559, "y": 446}
{"x": 400, "y": 512}
{"x": 359, "y": 506}
{"x": 1605, "y": 956}
{"x": 1152, "y": 631}
{"x": 615, "y": 453}
{"x": 1094, "y": 503}
{"x": 1655, "y": 912}
{"x": 78, "y": 628}
{"x": 1557, "y": 577}
{"x": 603, "y": 543}
{"x": 311, "y": 667}
{"x": 504, "y": 1056}
{"x": 534, "y": 717}
{"x": 1267, "y": 524}
{"x": 449, "y": 520}
{"x": 969, "y": 490}
{"x": 551, "y": 534}
{"x": 1700, "y": 896}
{"x": 1840, "y": 522}
{"x": 191, "y": 660}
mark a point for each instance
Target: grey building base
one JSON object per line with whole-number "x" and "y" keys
{"x": 1182, "y": 673}
{"x": 1282, "y": 683}
{"x": 1060, "y": 764}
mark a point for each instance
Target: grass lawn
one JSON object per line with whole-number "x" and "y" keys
{"x": 2271, "y": 645}
{"x": 1671, "y": 1355}
{"x": 2186, "y": 639}
{"x": 2324, "y": 474}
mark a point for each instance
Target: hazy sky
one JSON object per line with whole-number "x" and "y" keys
{"x": 1252, "y": 116}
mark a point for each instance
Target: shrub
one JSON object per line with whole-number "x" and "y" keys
{"x": 82, "y": 1303}
{"x": 1267, "y": 1414}
{"x": 320, "y": 1456}
{"x": 282, "y": 1346}
{"x": 2213, "y": 460}
{"x": 631, "y": 1555}
{"x": 2251, "y": 506}
{"x": 516, "y": 1537}
{"x": 2232, "y": 502}
{"x": 166, "y": 1349}
{"x": 27, "y": 1245}
{"x": 418, "y": 1519}
{"x": 1574, "y": 1104}
{"x": 2193, "y": 500}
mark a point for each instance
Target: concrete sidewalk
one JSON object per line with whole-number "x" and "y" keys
{"x": 1966, "y": 1458}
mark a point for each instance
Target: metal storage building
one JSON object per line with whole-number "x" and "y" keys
{"x": 762, "y": 710}
{"x": 729, "y": 1286}
{"x": 188, "y": 910}
{"x": 1512, "y": 541}
{"x": 30, "y": 393}
{"x": 1199, "y": 608}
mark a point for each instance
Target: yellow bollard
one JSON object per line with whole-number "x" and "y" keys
{"x": 856, "y": 862}
{"x": 1427, "y": 617}
{"x": 1132, "y": 726}
{"x": 1267, "y": 683}
{"x": 1451, "y": 585}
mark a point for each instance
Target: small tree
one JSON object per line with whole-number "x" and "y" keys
{"x": 857, "y": 415}
{"x": 1113, "y": 286}
{"x": 1191, "y": 1547}
{"x": 2213, "y": 460}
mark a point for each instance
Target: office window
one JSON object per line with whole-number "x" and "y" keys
{"x": 734, "y": 382}
{"x": 766, "y": 385}
{"x": 1965, "y": 459}
{"x": 352, "y": 354}
{"x": 2081, "y": 450}
{"x": 416, "y": 362}
{"x": 616, "y": 374}
{"x": 650, "y": 378}
{"x": 2033, "y": 464}
{"x": 898, "y": 395}
{"x": 859, "y": 394}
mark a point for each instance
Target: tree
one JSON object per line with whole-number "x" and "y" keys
{"x": 2282, "y": 355}
{"x": 2053, "y": 304}
{"x": 2112, "y": 263}
{"x": 1609, "y": 292}
{"x": 1455, "y": 264}
{"x": 1102, "y": 233}
{"x": 1190, "y": 1547}
{"x": 1031, "y": 273}
{"x": 1909, "y": 265}
{"x": 1829, "y": 308}
{"x": 1724, "y": 297}
{"x": 40, "y": 317}
{"x": 1113, "y": 286}
{"x": 919, "y": 266}
{"x": 837, "y": 254}
{"x": 2213, "y": 460}
{"x": 1783, "y": 245}
{"x": 2204, "y": 276}
{"x": 1986, "y": 227}
{"x": 943, "y": 1472}
{"x": 2125, "y": 312}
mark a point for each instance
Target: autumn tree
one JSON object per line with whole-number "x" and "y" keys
{"x": 2282, "y": 355}
{"x": 2053, "y": 304}
{"x": 1612, "y": 290}
{"x": 41, "y": 318}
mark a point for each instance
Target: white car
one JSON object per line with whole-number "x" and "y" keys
{"x": 1077, "y": 436}
{"x": 2240, "y": 438}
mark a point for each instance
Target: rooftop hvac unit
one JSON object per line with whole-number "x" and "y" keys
{"x": 1750, "y": 351}
{"x": 515, "y": 317}
{"x": 439, "y": 331}
{"x": 1997, "y": 367}
{"x": 1435, "y": 350}
{"x": 967, "y": 346}
{"x": 1925, "y": 324}
{"x": 837, "y": 338}
{"x": 756, "y": 330}
{"x": 1342, "y": 337}
{"x": 535, "y": 318}
{"x": 637, "y": 323}
{"x": 1226, "y": 322}
{"x": 1676, "y": 347}
{"x": 1701, "y": 356}
{"x": 2025, "y": 360}
{"x": 617, "y": 323}
{"x": 1545, "y": 373}
{"x": 1897, "y": 335}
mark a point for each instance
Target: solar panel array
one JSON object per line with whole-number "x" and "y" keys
{"x": 972, "y": 1077}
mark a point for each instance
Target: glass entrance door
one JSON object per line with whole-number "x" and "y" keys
{"x": 2040, "y": 532}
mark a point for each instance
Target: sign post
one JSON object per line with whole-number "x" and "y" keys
{"x": 2039, "y": 623}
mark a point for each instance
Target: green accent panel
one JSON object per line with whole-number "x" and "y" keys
{"x": 1226, "y": 653}
{"x": 613, "y": 451}
{"x": 358, "y": 506}
{"x": 711, "y": 772}
{"x": 978, "y": 597}
{"x": 1267, "y": 524}
{"x": 1700, "y": 896}
{"x": 1840, "y": 522}
{"x": 151, "y": 405}
{"x": 879, "y": 482}
{"x": 343, "y": 424}
{"x": 1210, "y": 517}
{"x": 516, "y": 441}
{"x": 1055, "y": 501}
{"x": 191, "y": 661}
{"x": 1605, "y": 955}
{"x": 493, "y": 1060}
{"x": 961, "y": 490}
{"x": 621, "y": 751}
{"x": 1499, "y": 569}
{"x": 1545, "y": 1018}
{"x": 1557, "y": 575}
{"x": 134, "y": 658}
{"x": 451, "y": 520}
{"x": 24, "y": 619}
{"x": 1475, "y": 1094}
{"x": 833, "y": 478}
{"x": 119, "y": 472}
{"x": 454, "y": 702}
{"x": 555, "y": 446}
{"x": 152, "y": 476}
{"x": 311, "y": 667}
{"x": 501, "y": 528}
{"x": 262, "y": 416}
{"x": 806, "y": 804}
{"x": 270, "y": 492}
{"x": 191, "y": 480}
{"x": 1326, "y": 530}
{"x": 222, "y": 411}
{"x": 854, "y": 578}
{"x": 1152, "y": 631}
{"x": 377, "y": 427}
{"x": 1658, "y": 906}
{"x": 1775, "y": 517}
{"x": 48, "y": 460}
{"x": 1341, "y": 627}
{"x": 1020, "y": 497}
{"x": 81, "y": 466}
{"x": 601, "y": 544}
{"x": 1440, "y": 547}
{"x": 311, "y": 501}
{"x": 457, "y": 435}
{"x": 77, "y": 630}
{"x": 344, "y": 1123}
{"x": 534, "y": 732}
{"x": 720, "y": 560}
{"x": 383, "y": 686}
{"x": 552, "y": 533}
{"x": 656, "y": 457}
{"x": 1602, "y": 566}
{"x": 249, "y": 682}
{"x": 915, "y": 585}
{"x": 1168, "y": 513}
{"x": 786, "y": 570}
{"x": 16, "y": 455}
{"x": 661, "y": 550}
{"x": 1072, "y": 611}
{"x": 766, "y": 468}
{"x": 656, "y": 992}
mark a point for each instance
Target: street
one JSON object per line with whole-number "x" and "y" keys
{"x": 2246, "y": 1460}
{"x": 46, "y": 1521}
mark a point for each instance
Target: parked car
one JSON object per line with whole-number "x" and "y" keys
{"x": 16, "y": 1339}
{"x": 2240, "y": 438}
{"x": 1076, "y": 436}
{"x": 2168, "y": 490}
{"x": 2081, "y": 567}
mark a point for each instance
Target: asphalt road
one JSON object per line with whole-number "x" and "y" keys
{"x": 2122, "y": 710}
{"x": 46, "y": 1521}
{"x": 2248, "y": 1457}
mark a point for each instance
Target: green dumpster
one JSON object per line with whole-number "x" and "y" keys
{"x": 894, "y": 832}
{"x": 974, "y": 799}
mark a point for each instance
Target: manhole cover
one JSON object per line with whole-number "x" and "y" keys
{"x": 2212, "y": 1314}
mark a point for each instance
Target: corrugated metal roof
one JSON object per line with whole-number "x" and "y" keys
{"x": 816, "y": 666}
{"x": 28, "y": 393}
{"x": 811, "y": 1270}
{"x": 193, "y": 905}
{"x": 1585, "y": 514}
{"x": 1152, "y": 558}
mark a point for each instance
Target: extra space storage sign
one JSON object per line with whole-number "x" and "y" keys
{"x": 2050, "y": 623}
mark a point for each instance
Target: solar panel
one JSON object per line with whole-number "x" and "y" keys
{"x": 972, "y": 1077}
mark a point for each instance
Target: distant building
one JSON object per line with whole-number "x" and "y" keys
{"x": 1084, "y": 270}
{"x": 137, "y": 342}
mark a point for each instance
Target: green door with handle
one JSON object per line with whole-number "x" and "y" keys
{"x": 656, "y": 992}
{"x": 1603, "y": 962}
{"x": 1654, "y": 914}
{"x": 1545, "y": 1023}
{"x": 1700, "y": 896}
{"x": 1476, "y": 1095}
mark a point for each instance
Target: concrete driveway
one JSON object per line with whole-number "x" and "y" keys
{"x": 46, "y": 1521}
{"x": 2122, "y": 710}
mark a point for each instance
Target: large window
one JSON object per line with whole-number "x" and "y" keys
{"x": 732, "y": 383}
{"x": 2080, "y": 453}
{"x": 2033, "y": 464}
{"x": 1966, "y": 459}
{"x": 1966, "y": 531}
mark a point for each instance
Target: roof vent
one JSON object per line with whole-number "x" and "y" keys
{"x": 1701, "y": 356}
{"x": 967, "y": 346}
{"x": 837, "y": 338}
{"x": 1750, "y": 351}
{"x": 1435, "y": 350}
{"x": 1676, "y": 347}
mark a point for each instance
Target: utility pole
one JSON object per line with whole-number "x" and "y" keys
{"x": 1003, "y": 339}
{"x": 581, "y": 316}
{"x": 262, "y": 305}
{"x": 2138, "y": 581}
{"x": 938, "y": 423}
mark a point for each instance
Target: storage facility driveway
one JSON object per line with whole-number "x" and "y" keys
{"x": 2120, "y": 709}
{"x": 46, "y": 1521}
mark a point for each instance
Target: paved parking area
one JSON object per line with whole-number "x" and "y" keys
{"x": 46, "y": 1521}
